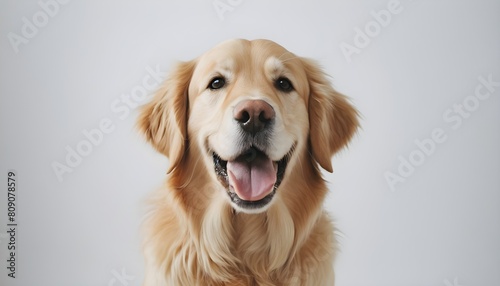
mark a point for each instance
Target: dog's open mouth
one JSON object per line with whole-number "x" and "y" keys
{"x": 251, "y": 179}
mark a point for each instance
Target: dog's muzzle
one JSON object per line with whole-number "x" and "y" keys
{"x": 251, "y": 179}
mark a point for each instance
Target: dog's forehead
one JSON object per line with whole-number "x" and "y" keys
{"x": 251, "y": 63}
{"x": 238, "y": 54}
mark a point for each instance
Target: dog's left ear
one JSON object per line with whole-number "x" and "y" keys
{"x": 332, "y": 119}
{"x": 164, "y": 119}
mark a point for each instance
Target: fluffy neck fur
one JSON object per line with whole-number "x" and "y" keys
{"x": 198, "y": 232}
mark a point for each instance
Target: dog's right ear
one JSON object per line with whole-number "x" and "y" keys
{"x": 164, "y": 119}
{"x": 333, "y": 120}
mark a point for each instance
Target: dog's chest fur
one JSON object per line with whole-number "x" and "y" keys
{"x": 228, "y": 248}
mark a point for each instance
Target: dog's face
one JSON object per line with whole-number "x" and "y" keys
{"x": 247, "y": 115}
{"x": 249, "y": 108}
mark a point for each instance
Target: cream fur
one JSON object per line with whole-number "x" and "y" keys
{"x": 192, "y": 234}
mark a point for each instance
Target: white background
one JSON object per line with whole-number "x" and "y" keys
{"x": 441, "y": 226}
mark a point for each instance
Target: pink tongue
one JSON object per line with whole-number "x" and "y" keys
{"x": 253, "y": 180}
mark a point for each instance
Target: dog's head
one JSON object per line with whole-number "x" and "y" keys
{"x": 249, "y": 108}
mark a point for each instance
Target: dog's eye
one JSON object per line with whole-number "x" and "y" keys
{"x": 284, "y": 84}
{"x": 216, "y": 83}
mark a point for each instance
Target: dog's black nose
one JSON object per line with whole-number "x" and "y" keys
{"x": 253, "y": 115}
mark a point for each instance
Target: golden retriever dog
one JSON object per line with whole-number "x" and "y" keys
{"x": 247, "y": 128}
